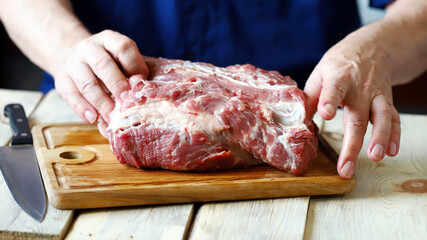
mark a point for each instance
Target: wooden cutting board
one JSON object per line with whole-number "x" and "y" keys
{"x": 80, "y": 171}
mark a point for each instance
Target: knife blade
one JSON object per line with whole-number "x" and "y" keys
{"x": 19, "y": 166}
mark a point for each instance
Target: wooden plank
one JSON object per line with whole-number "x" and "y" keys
{"x": 163, "y": 222}
{"x": 390, "y": 199}
{"x": 14, "y": 223}
{"x": 282, "y": 218}
{"x": 262, "y": 219}
{"x": 69, "y": 154}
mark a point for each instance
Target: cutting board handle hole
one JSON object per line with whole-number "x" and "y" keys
{"x": 70, "y": 155}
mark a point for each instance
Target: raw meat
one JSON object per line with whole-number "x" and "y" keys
{"x": 195, "y": 116}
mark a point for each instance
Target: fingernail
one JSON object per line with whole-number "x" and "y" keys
{"x": 392, "y": 148}
{"x": 378, "y": 151}
{"x": 329, "y": 109}
{"x": 348, "y": 169}
{"x": 123, "y": 95}
{"x": 90, "y": 116}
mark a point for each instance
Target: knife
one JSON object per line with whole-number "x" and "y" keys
{"x": 19, "y": 166}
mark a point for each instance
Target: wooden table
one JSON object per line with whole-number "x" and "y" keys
{"x": 389, "y": 202}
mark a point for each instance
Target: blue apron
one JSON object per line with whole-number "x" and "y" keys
{"x": 289, "y": 36}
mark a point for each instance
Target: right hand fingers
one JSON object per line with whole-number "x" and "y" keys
{"x": 95, "y": 64}
{"x": 91, "y": 52}
{"x": 90, "y": 88}
{"x": 69, "y": 92}
{"x": 110, "y": 51}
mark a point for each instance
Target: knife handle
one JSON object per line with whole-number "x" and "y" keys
{"x": 19, "y": 124}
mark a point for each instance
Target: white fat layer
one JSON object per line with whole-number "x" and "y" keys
{"x": 160, "y": 113}
{"x": 287, "y": 113}
{"x": 188, "y": 67}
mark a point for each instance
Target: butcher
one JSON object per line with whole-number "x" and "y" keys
{"x": 91, "y": 48}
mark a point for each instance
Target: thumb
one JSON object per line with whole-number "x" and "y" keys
{"x": 139, "y": 67}
{"x": 126, "y": 53}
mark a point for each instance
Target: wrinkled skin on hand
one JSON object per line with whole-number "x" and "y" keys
{"x": 96, "y": 69}
{"x": 353, "y": 74}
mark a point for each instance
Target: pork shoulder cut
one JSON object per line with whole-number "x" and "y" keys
{"x": 195, "y": 116}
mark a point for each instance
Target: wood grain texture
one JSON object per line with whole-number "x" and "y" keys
{"x": 161, "y": 222}
{"x": 261, "y": 219}
{"x": 390, "y": 199}
{"x": 80, "y": 171}
{"x": 15, "y": 223}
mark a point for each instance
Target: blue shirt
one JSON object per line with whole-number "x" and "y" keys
{"x": 289, "y": 35}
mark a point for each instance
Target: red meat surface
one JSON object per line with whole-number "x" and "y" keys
{"x": 198, "y": 117}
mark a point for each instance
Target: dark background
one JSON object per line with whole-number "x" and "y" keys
{"x": 18, "y": 72}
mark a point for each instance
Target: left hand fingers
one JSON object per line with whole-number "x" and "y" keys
{"x": 381, "y": 118}
{"x": 394, "y": 142}
{"x": 312, "y": 91}
{"x": 355, "y": 123}
{"x": 332, "y": 95}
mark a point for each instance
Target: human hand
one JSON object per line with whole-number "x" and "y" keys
{"x": 354, "y": 74}
{"x": 96, "y": 68}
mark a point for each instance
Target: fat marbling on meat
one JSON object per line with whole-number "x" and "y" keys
{"x": 191, "y": 116}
